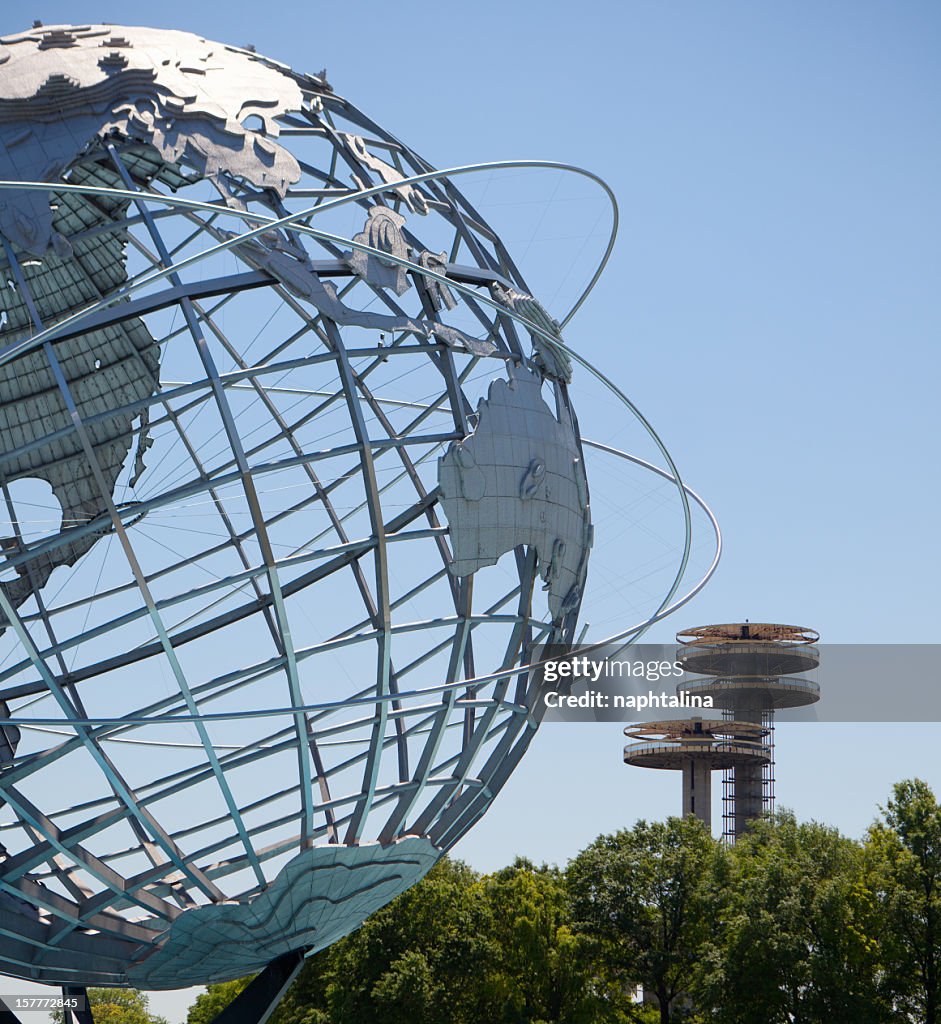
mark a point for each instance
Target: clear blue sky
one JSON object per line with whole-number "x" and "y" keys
{"x": 772, "y": 306}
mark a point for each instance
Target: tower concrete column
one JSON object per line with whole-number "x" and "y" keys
{"x": 697, "y": 790}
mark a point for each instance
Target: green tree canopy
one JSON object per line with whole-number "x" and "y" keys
{"x": 425, "y": 958}
{"x": 905, "y": 848}
{"x": 646, "y": 896}
{"x": 214, "y": 1000}
{"x": 117, "y": 1006}
{"x": 544, "y": 967}
{"x": 795, "y": 924}
{"x": 797, "y": 931}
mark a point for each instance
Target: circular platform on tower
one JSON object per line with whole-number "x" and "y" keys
{"x": 759, "y": 650}
{"x": 672, "y": 745}
{"x": 767, "y": 694}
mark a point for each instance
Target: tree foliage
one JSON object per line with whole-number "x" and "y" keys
{"x": 117, "y": 1006}
{"x": 905, "y": 850}
{"x": 214, "y": 1000}
{"x": 795, "y": 924}
{"x": 645, "y": 896}
{"x": 544, "y": 970}
{"x": 796, "y": 937}
{"x": 423, "y": 959}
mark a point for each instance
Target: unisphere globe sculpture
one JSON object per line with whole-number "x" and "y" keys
{"x": 292, "y": 484}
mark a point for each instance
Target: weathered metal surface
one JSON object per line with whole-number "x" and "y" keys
{"x": 63, "y": 87}
{"x": 320, "y": 896}
{"x": 224, "y": 547}
{"x": 519, "y": 479}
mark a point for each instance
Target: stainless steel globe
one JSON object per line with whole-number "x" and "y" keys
{"x": 286, "y": 452}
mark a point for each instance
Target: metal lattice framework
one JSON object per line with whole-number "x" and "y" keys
{"x": 254, "y": 699}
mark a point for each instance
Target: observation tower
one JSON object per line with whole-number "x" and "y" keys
{"x": 752, "y": 670}
{"x": 698, "y": 747}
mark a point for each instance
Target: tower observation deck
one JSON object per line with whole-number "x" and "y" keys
{"x": 750, "y": 670}
{"x": 697, "y": 747}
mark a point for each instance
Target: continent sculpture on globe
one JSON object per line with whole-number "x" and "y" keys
{"x": 292, "y": 487}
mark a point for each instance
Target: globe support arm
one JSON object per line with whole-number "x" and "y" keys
{"x": 259, "y": 999}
